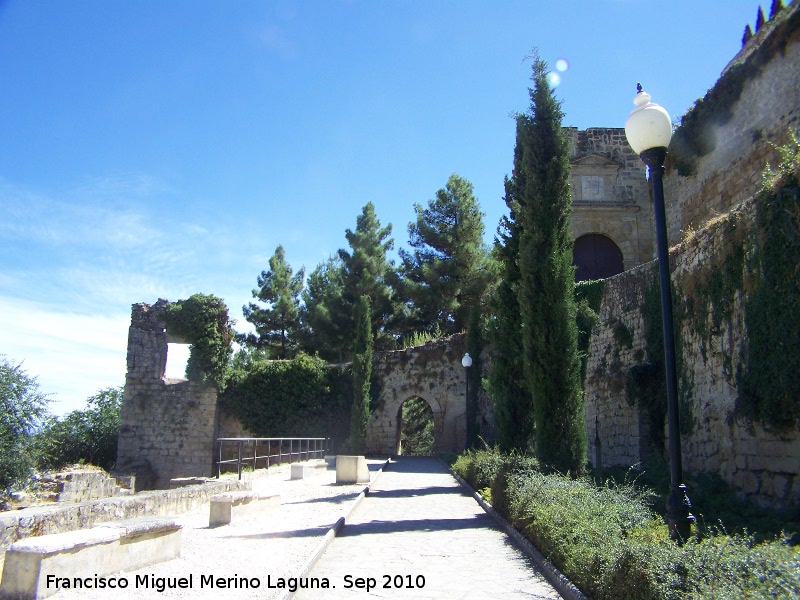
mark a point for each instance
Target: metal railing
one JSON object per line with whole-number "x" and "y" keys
{"x": 278, "y": 450}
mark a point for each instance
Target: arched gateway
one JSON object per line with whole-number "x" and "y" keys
{"x": 432, "y": 372}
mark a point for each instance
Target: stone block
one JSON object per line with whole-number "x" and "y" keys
{"x": 240, "y": 505}
{"x": 299, "y": 471}
{"x": 100, "y": 551}
{"x": 351, "y": 469}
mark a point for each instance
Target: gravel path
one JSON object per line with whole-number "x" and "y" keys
{"x": 274, "y": 545}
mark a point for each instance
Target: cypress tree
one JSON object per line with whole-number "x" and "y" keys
{"x": 760, "y": 20}
{"x": 362, "y": 372}
{"x": 541, "y": 191}
{"x": 513, "y": 410}
{"x": 748, "y": 33}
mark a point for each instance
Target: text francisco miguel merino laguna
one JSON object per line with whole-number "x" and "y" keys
{"x": 159, "y": 584}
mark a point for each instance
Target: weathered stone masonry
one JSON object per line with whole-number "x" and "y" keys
{"x": 432, "y": 372}
{"x": 168, "y": 427}
{"x": 763, "y": 466}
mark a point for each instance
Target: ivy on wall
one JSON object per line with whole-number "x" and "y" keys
{"x": 768, "y": 377}
{"x": 202, "y": 320}
{"x": 302, "y": 397}
{"x": 588, "y": 295}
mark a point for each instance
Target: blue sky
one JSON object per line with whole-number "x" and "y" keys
{"x": 155, "y": 149}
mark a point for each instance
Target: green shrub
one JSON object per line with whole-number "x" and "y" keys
{"x": 301, "y": 397}
{"x": 22, "y": 406}
{"x": 479, "y": 467}
{"x": 609, "y": 542}
{"x": 513, "y": 467}
{"x": 83, "y": 436}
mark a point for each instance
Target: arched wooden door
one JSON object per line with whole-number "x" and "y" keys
{"x": 596, "y": 257}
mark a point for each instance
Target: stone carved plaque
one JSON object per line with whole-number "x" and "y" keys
{"x": 592, "y": 187}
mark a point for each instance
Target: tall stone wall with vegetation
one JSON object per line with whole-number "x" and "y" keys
{"x": 717, "y": 155}
{"x": 735, "y": 293}
{"x": 732, "y": 423}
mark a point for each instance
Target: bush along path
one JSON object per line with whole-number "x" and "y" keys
{"x": 611, "y": 544}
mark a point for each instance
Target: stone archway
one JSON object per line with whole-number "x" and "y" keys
{"x": 432, "y": 372}
{"x": 416, "y": 431}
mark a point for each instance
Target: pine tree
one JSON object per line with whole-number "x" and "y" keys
{"x": 448, "y": 271}
{"x": 278, "y": 323}
{"x": 362, "y": 372}
{"x": 748, "y": 33}
{"x": 777, "y": 6}
{"x": 512, "y": 402}
{"x": 323, "y": 326}
{"x": 541, "y": 191}
{"x": 367, "y": 272}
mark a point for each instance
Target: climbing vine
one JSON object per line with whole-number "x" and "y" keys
{"x": 646, "y": 382}
{"x": 202, "y": 320}
{"x": 768, "y": 377}
{"x": 588, "y": 295}
{"x": 300, "y": 397}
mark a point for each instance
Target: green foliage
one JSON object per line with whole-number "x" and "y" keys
{"x": 588, "y": 295}
{"x": 202, "y": 320}
{"x": 606, "y": 539}
{"x": 367, "y": 272}
{"x": 278, "y": 323}
{"x": 513, "y": 410}
{"x": 788, "y": 164}
{"x": 22, "y": 406}
{"x": 767, "y": 377}
{"x": 543, "y": 207}
{"x": 420, "y": 338}
{"x": 324, "y": 330}
{"x": 302, "y": 397}
{"x": 86, "y": 436}
{"x": 362, "y": 372}
{"x": 448, "y": 270}
{"x": 479, "y": 467}
{"x": 416, "y": 432}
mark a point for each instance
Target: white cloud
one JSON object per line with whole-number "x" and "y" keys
{"x": 72, "y": 355}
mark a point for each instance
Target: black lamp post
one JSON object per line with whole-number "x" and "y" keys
{"x": 649, "y": 130}
{"x": 466, "y": 362}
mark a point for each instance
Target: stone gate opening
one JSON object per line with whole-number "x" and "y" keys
{"x": 415, "y": 428}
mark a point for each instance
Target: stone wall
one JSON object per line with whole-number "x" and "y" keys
{"x": 764, "y": 466}
{"x": 434, "y": 373}
{"x": 610, "y": 194}
{"x": 168, "y": 427}
{"x": 44, "y": 520}
{"x": 768, "y": 106}
{"x": 701, "y": 211}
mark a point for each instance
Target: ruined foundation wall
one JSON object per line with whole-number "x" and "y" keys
{"x": 168, "y": 427}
